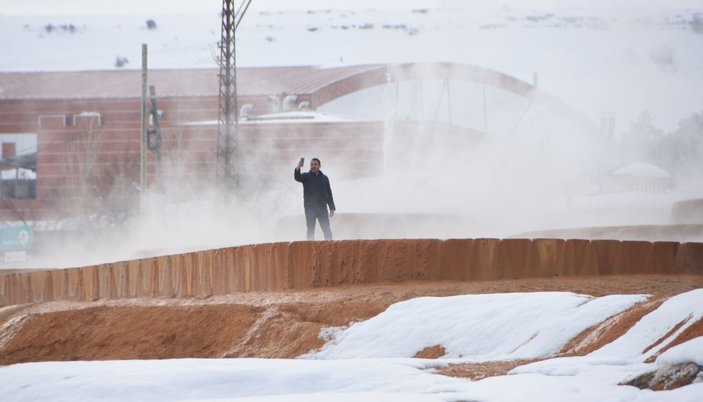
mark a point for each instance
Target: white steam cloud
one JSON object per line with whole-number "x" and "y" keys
{"x": 460, "y": 158}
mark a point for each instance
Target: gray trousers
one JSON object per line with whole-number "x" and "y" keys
{"x": 318, "y": 213}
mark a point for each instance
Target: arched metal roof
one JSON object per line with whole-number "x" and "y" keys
{"x": 320, "y": 84}
{"x": 381, "y": 75}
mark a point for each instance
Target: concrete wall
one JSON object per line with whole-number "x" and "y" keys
{"x": 305, "y": 265}
{"x": 682, "y": 233}
{"x": 687, "y": 212}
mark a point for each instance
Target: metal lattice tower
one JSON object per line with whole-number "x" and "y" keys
{"x": 227, "y": 125}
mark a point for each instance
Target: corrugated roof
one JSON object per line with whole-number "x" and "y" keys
{"x": 251, "y": 81}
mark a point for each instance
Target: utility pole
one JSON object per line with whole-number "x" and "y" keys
{"x": 144, "y": 144}
{"x": 154, "y": 139}
{"x": 227, "y": 123}
{"x": 228, "y": 113}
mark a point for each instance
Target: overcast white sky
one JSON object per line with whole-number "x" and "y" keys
{"x": 89, "y": 7}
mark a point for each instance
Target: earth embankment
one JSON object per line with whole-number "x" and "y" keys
{"x": 281, "y": 324}
{"x": 309, "y": 265}
{"x": 272, "y": 300}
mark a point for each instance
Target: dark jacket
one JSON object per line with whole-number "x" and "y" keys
{"x": 316, "y": 189}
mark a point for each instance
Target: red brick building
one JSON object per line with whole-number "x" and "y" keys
{"x": 85, "y": 127}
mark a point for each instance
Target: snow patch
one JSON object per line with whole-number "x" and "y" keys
{"x": 476, "y": 327}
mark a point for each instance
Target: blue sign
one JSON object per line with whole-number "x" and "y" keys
{"x": 16, "y": 238}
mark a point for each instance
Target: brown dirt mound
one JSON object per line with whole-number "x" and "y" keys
{"x": 280, "y": 324}
{"x": 479, "y": 371}
{"x": 101, "y": 333}
{"x": 695, "y": 330}
{"x": 431, "y": 352}
{"x": 609, "y": 330}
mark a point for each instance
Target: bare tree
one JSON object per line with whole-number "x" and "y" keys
{"x": 98, "y": 183}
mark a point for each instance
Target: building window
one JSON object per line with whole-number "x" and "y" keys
{"x": 18, "y": 163}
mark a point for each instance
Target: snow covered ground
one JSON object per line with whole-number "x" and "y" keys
{"x": 546, "y": 321}
{"x": 371, "y": 360}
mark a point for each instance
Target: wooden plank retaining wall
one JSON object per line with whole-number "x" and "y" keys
{"x": 305, "y": 265}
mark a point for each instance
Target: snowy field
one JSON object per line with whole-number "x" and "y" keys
{"x": 371, "y": 360}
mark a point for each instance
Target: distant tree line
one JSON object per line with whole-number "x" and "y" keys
{"x": 679, "y": 152}
{"x": 49, "y": 28}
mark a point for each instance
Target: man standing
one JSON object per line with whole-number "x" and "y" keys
{"x": 317, "y": 195}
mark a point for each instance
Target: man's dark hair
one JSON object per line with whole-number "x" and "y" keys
{"x": 315, "y": 159}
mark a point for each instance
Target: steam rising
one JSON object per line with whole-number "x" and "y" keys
{"x": 460, "y": 158}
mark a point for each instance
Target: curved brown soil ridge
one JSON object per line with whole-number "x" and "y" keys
{"x": 279, "y": 324}
{"x": 611, "y": 329}
{"x": 693, "y": 331}
{"x": 479, "y": 371}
